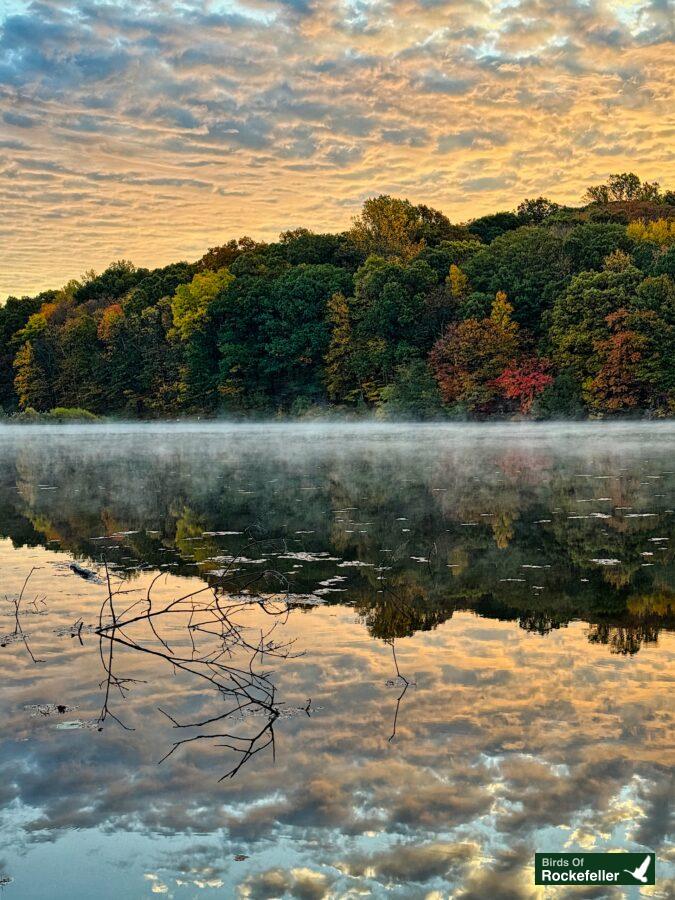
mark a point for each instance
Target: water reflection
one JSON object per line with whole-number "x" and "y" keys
{"x": 406, "y": 525}
{"x": 547, "y": 733}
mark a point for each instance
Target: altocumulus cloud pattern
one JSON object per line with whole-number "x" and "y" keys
{"x": 151, "y": 130}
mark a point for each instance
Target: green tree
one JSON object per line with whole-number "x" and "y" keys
{"x": 396, "y": 316}
{"x": 304, "y": 246}
{"x": 295, "y": 331}
{"x": 191, "y": 301}
{"x": 110, "y": 285}
{"x": 273, "y": 333}
{"x": 233, "y": 341}
{"x": 78, "y": 383}
{"x": 141, "y": 360}
{"x": 413, "y": 394}
{"x": 561, "y": 400}
{"x": 623, "y": 186}
{"x": 579, "y": 317}
{"x": 434, "y": 227}
{"x": 536, "y": 212}
{"x": 160, "y": 283}
{"x": 529, "y": 265}
{"x": 487, "y": 228}
{"x": 449, "y": 253}
{"x": 587, "y": 245}
{"x": 14, "y": 315}
{"x": 36, "y": 365}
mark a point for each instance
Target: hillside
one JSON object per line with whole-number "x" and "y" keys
{"x": 545, "y": 311}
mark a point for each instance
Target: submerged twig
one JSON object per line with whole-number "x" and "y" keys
{"x": 221, "y": 654}
{"x": 18, "y": 629}
{"x": 406, "y": 685}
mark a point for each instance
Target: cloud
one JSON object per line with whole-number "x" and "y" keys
{"x": 507, "y": 875}
{"x": 405, "y": 863}
{"x": 399, "y": 96}
{"x": 18, "y": 120}
{"x": 408, "y": 135}
{"x": 472, "y": 138}
{"x": 488, "y": 183}
{"x": 441, "y": 83}
{"x": 296, "y": 884}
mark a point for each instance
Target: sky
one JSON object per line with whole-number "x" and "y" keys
{"x": 151, "y": 131}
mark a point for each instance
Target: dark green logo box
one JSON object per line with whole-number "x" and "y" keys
{"x": 594, "y": 868}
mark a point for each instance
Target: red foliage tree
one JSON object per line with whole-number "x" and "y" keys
{"x": 523, "y": 382}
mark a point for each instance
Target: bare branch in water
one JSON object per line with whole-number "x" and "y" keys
{"x": 222, "y": 654}
{"x": 18, "y": 629}
{"x": 406, "y": 684}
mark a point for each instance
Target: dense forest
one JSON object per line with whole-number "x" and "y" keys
{"x": 548, "y": 312}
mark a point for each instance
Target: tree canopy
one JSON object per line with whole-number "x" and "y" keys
{"x": 546, "y": 310}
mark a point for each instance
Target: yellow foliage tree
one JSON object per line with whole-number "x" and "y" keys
{"x": 501, "y": 316}
{"x": 388, "y": 227}
{"x": 191, "y": 301}
{"x": 458, "y": 282}
{"x": 336, "y": 377}
{"x": 661, "y": 232}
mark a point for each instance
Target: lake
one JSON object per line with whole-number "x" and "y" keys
{"x": 323, "y": 661}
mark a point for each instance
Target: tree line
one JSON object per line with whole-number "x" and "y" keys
{"x": 547, "y": 311}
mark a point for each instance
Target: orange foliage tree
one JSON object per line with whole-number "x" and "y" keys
{"x": 472, "y": 354}
{"x": 620, "y": 383}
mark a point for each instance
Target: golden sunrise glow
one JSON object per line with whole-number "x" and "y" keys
{"x": 152, "y": 130}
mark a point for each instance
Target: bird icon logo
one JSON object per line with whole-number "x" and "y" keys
{"x": 639, "y": 874}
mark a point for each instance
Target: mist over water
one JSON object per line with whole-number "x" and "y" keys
{"x": 481, "y": 618}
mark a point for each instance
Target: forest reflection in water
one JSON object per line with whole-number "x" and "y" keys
{"x": 469, "y": 655}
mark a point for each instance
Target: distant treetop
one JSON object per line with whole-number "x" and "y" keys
{"x": 624, "y": 186}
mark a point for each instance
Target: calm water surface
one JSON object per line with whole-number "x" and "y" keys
{"x": 472, "y": 658}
